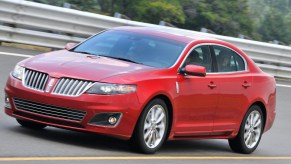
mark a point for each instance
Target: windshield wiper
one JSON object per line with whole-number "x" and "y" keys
{"x": 123, "y": 59}
{"x": 118, "y": 58}
{"x": 84, "y": 52}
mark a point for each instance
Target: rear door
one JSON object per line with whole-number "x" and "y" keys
{"x": 234, "y": 89}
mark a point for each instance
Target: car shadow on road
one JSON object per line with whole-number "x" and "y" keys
{"x": 82, "y": 139}
{"x": 101, "y": 142}
{"x": 194, "y": 146}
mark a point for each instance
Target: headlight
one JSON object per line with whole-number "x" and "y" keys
{"x": 18, "y": 72}
{"x": 109, "y": 89}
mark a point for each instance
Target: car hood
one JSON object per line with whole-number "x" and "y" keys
{"x": 64, "y": 63}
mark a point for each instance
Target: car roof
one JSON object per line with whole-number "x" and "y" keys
{"x": 165, "y": 32}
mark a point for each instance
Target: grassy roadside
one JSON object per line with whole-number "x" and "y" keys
{"x": 25, "y": 46}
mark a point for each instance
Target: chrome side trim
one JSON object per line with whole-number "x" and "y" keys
{"x": 210, "y": 44}
{"x": 177, "y": 87}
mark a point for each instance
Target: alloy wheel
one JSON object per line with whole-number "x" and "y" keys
{"x": 252, "y": 129}
{"x": 154, "y": 126}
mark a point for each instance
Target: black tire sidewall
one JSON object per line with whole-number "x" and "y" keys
{"x": 242, "y": 128}
{"x": 139, "y": 132}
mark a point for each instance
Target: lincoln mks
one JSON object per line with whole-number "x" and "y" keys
{"x": 146, "y": 85}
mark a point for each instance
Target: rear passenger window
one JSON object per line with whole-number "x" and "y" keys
{"x": 228, "y": 60}
{"x": 200, "y": 56}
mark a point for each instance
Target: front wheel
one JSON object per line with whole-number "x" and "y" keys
{"x": 250, "y": 132}
{"x": 151, "y": 129}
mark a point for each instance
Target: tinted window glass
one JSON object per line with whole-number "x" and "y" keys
{"x": 140, "y": 48}
{"x": 228, "y": 60}
{"x": 239, "y": 62}
{"x": 200, "y": 56}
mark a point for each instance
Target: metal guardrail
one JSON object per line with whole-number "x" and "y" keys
{"x": 31, "y": 37}
{"x": 49, "y": 26}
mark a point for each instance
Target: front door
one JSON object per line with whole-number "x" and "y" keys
{"x": 198, "y": 96}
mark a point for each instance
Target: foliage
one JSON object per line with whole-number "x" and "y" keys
{"x": 151, "y": 11}
{"x": 155, "y": 11}
{"x": 226, "y": 17}
{"x": 259, "y": 19}
{"x": 273, "y": 19}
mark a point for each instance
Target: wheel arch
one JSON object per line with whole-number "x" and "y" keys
{"x": 169, "y": 104}
{"x": 170, "y": 110}
{"x": 263, "y": 108}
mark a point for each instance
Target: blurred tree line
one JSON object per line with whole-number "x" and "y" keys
{"x": 264, "y": 20}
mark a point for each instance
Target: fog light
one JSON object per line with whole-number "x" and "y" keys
{"x": 7, "y": 102}
{"x": 112, "y": 120}
{"x": 105, "y": 119}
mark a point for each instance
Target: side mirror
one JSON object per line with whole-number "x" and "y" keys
{"x": 194, "y": 70}
{"x": 70, "y": 46}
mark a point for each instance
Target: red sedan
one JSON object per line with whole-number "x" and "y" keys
{"x": 146, "y": 85}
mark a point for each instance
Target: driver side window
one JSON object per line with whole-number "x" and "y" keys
{"x": 200, "y": 56}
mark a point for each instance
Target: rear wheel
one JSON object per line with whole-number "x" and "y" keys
{"x": 30, "y": 124}
{"x": 250, "y": 132}
{"x": 151, "y": 129}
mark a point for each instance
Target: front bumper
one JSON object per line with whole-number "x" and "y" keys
{"x": 127, "y": 104}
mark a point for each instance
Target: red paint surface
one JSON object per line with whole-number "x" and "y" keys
{"x": 205, "y": 107}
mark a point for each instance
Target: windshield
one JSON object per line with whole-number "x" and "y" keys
{"x": 133, "y": 47}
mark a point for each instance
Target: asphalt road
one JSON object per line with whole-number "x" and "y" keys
{"x": 52, "y": 145}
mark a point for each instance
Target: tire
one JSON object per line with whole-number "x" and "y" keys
{"x": 250, "y": 132}
{"x": 151, "y": 128}
{"x": 30, "y": 124}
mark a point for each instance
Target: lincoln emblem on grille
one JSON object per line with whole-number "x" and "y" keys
{"x": 50, "y": 84}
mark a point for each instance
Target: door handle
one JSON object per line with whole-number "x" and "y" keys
{"x": 211, "y": 85}
{"x": 246, "y": 84}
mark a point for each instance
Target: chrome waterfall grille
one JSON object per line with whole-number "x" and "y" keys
{"x": 35, "y": 80}
{"x": 49, "y": 110}
{"x": 71, "y": 87}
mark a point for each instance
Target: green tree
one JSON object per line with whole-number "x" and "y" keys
{"x": 260, "y": 19}
{"x": 271, "y": 27}
{"x": 155, "y": 11}
{"x": 226, "y": 17}
{"x": 88, "y": 5}
{"x": 272, "y": 19}
{"x": 151, "y": 11}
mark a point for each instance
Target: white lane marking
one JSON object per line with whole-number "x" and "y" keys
{"x": 146, "y": 158}
{"x": 282, "y": 85}
{"x": 14, "y": 54}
